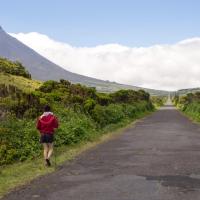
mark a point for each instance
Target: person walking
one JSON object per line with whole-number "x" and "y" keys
{"x": 46, "y": 124}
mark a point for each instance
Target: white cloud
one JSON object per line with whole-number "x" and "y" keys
{"x": 167, "y": 67}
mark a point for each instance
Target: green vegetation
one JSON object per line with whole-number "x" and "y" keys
{"x": 20, "y": 82}
{"x": 159, "y": 101}
{"x": 80, "y": 113}
{"x": 19, "y": 173}
{"x": 85, "y": 115}
{"x": 14, "y": 68}
{"x": 189, "y": 104}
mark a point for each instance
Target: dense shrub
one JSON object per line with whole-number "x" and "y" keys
{"x": 189, "y": 104}
{"x": 129, "y": 96}
{"x": 14, "y": 68}
{"x": 75, "y": 130}
{"x": 158, "y": 100}
{"x": 114, "y": 113}
{"x": 130, "y": 110}
{"x": 20, "y": 140}
{"x": 103, "y": 99}
{"x": 89, "y": 105}
{"x": 104, "y": 115}
{"x": 83, "y": 114}
{"x": 192, "y": 110}
{"x": 48, "y": 86}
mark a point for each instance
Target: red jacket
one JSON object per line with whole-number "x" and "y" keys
{"x": 47, "y": 123}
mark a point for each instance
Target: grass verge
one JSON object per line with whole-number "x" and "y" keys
{"x": 194, "y": 119}
{"x": 19, "y": 174}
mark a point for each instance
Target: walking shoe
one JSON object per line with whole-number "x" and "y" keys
{"x": 48, "y": 163}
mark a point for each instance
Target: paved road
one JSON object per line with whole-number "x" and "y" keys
{"x": 158, "y": 159}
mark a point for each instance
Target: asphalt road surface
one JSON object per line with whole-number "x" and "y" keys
{"x": 157, "y": 159}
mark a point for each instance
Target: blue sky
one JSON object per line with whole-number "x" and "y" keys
{"x": 94, "y": 22}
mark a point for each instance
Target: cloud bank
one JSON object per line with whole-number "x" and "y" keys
{"x": 167, "y": 67}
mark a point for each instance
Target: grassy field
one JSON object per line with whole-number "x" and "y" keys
{"x": 20, "y": 82}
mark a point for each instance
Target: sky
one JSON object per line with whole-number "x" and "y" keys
{"x": 149, "y": 43}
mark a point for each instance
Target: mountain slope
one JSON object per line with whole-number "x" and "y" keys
{"x": 43, "y": 69}
{"x": 39, "y": 67}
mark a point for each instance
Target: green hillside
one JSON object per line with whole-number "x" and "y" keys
{"x": 19, "y": 81}
{"x": 14, "y": 73}
{"x": 14, "y": 68}
{"x": 83, "y": 112}
{"x": 108, "y": 87}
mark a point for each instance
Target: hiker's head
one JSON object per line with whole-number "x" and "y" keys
{"x": 47, "y": 108}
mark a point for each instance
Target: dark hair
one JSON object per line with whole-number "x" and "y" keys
{"x": 47, "y": 108}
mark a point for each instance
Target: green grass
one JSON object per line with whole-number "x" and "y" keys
{"x": 18, "y": 174}
{"x": 192, "y": 117}
{"x": 20, "y": 82}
